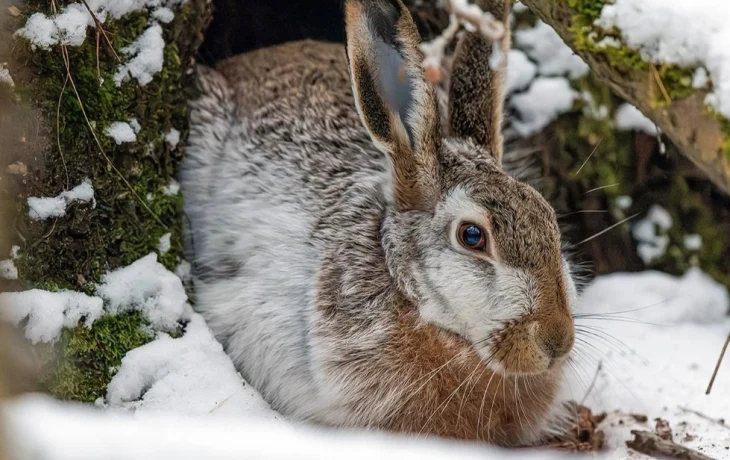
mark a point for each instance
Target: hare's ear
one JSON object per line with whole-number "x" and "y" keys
{"x": 395, "y": 102}
{"x": 476, "y": 93}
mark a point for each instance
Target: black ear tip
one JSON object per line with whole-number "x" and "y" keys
{"x": 383, "y": 16}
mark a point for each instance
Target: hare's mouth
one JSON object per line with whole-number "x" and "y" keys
{"x": 517, "y": 350}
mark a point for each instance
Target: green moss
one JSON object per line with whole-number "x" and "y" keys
{"x": 691, "y": 215}
{"x": 89, "y": 357}
{"x": 725, "y": 126}
{"x": 676, "y": 80}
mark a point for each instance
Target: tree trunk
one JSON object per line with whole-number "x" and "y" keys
{"x": 54, "y": 123}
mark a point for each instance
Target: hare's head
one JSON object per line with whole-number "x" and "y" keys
{"x": 476, "y": 250}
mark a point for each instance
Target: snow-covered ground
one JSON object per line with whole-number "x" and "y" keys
{"x": 657, "y": 338}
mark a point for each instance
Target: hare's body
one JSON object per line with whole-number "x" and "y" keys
{"x": 421, "y": 290}
{"x": 277, "y": 149}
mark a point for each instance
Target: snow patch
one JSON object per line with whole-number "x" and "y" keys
{"x": 122, "y": 132}
{"x": 546, "y": 98}
{"x": 624, "y": 202}
{"x": 520, "y": 70}
{"x": 147, "y": 286}
{"x": 628, "y": 117}
{"x": 163, "y": 14}
{"x": 689, "y": 34}
{"x": 5, "y": 77}
{"x": 173, "y": 137}
{"x": 48, "y": 312}
{"x": 553, "y": 56}
{"x": 190, "y": 375}
{"x": 43, "y": 208}
{"x": 8, "y": 270}
{"x": 164, "y": 244}
{"x": 651, "y": 234}
{"x": 692, "y": 242}
{"x": 172, "y": 189}
{"x": 147, "y": 56}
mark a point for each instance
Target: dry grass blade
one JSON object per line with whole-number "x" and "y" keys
{"x": 717, "y": 366}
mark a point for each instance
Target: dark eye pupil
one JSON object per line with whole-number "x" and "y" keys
{"x": 472, "y": 235}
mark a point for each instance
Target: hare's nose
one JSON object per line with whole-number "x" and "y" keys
{"x": 555, "y": 338}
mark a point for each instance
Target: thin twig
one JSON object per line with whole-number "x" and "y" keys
{"x": 717, "y": 366}
{"x": 101, "y": 29}
{"x": 589, "y": 157}
{"x": 609, "y": 228}
{"x": 650, "y": 443}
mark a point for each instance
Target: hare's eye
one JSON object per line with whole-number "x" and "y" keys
{"x": 472, "y": 236}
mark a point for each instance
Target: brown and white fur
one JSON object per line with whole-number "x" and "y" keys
{"x": 324, "y": 204}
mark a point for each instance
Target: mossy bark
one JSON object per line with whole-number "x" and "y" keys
{"x": 70, "y": 104}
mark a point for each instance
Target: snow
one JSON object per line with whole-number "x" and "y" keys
{"x": 164, "y": 244}
{"x": 651, "y": 234}
{"x": 624, "y": 201}
{"x": 689, "y": 34}
{"x": 147, "y": 56}
{"x": 43, "y": 208}
{"x": 693, "y": 242}
{"x": 39, "y": 427}
{"x": 628, "y": 117}
{"x": 554, "y": 58}
{"x": 546, "y": 98}
{"x": 8, "y": 270}
{"x": 172, "y": 189}
{"x": 520, "y": 70}
{"x": 146, "y": 286}
{"x": 5, "y": 77}
{"x": 658, "y": 338}
{"x": 122, "y": 132}
{"x": 173, "y": 137}
{"x": 189, "y": 375}
{"x": 48, "y": 312}
{"x": 163, "y": 14}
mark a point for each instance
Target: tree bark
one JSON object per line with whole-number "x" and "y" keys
{"x": 697, "y": 134}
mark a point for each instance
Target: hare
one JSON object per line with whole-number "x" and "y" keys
{"x": 361, "y": 268}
